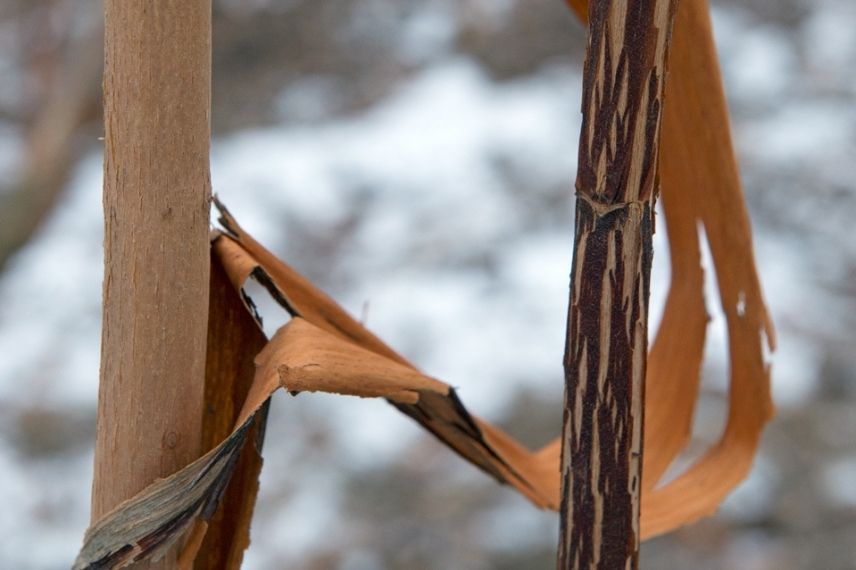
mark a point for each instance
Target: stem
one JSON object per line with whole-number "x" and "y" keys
{"x": 606, "y": 345}
{"x": 157, "y": 88}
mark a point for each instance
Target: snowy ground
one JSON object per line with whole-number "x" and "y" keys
{"x": 442, "y": 215}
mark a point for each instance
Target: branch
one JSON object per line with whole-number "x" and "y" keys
{"x": 606, "y": 346}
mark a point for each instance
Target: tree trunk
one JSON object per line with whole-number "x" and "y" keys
{"x": 607, "y": 341}
{"x": 157, "y": 87}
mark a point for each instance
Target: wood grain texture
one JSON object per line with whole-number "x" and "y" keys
{"x": 234, "y": 339}
{"x": 607, "y": 342}
{"x": 157, "y": 88}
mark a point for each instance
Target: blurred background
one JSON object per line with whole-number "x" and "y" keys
{"x": 416, "y": 159}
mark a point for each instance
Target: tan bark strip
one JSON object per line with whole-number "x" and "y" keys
{"x": 475, "y": 440}
{"x": 234, "y": 338}
{"x": 708, "y": 167}
{"x": 540, "y": 471}
{"x": 298, "y": 295}
{"x": 301, "y": 356}
{"x": 608, "y": 312}
{"x": 156, "y": 205}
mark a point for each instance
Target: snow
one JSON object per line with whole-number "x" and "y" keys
{"x": 429, "y": 31}
{"x": 53, "y": 296}
{"x": 765, "y": 66}
{"x": 829, "y": 39}
{"x": 802, "y": 133}
{"x": 839, "y": 482}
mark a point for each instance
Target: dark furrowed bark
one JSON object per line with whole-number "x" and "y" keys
{"x": 605, "y": 368}
{"x": 607, "y": 341}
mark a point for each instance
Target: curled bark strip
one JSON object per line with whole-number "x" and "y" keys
{"x": 535, "y": 474}
{"x": 706, "y": 167}
{"x": 324, "y": 349}
{"x": 145, "y": 526}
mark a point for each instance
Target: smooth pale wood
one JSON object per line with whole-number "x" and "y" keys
{"x": 157, "y": 88}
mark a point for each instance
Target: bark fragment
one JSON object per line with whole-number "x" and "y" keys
{"x": 234, "y": 338}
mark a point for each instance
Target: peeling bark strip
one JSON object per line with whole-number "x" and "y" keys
{"x": 324, "y": 349}
{"x": 147, "y": 525}
{"x": 607, "y": 342}
{"x": 234, "y": 338}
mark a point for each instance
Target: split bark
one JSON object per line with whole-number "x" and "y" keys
{"x": 157, "y": 86}
{"x": 607, "y": 341}
{"x": 234, "y": 339}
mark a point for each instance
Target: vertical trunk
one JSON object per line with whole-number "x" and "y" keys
{"x": 156, "y": 201}
{"x": 606, "y": 345}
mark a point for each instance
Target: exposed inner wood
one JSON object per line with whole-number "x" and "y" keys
{"x": 157, "y": 89}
